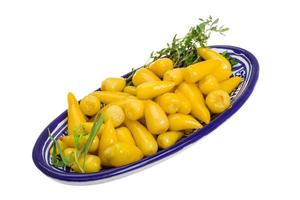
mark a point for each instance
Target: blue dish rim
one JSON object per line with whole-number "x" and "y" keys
{"x": 76, "y": 177}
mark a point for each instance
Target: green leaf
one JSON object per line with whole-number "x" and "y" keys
{"x": 232, "y": 60}
{"x": 96, "y": 127}
{"x": 183, "y": 51}
{"x": 57, "y": 146}
{"x": 216, "y": 21}
{"x": 78, "y": 133}
{"x": 53, "y": 155}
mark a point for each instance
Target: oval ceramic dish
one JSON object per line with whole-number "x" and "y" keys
{"x": 247, "y": 68}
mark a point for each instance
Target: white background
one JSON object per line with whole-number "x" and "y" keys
{"x": 48, "y": 48}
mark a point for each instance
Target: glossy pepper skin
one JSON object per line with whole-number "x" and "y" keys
{"x": 174, "y": 75}
{"x": 113, "y": 84}
{"x": 110, "y": 96}
{"x": 115, "y": 113}
{"x": 124, "y": 136}
{"x": 87, "y": 127}
{"x": 161, "y": 66}
{"x": 208, "y": 84}
{"x": 69, "y": 153}
{"x": 193, "y": 94}
{"x": 230, "y": 84}
{"x": 185, "y": 105}
{"x": 89, "y": 163}
{"x": 180, "y": 122}
{"x": 153, "y": 89}
{"x": 197, "y": 71}
{"x": 108, "y": 137}
{"x": 209, "y": 54}
{"x": 218, "y": 101}
{"x": 223, "y": 71}
{"x": 143, "y": 75}
{"x": 121, "y": 154}
{"x": 134, "y": 109}
{"x": 143, "y": 138}
{"x": 168, "y": 139}
{"x": 70, "y": 142}
{"x": 130, "y": 90}
{"x": 156, "y": 119}
{"x": 169, "y": 102}
{"x": 75, "y": 116}
{"x": 90, "y": 105}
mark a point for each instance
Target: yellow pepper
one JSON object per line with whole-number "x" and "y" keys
{"x": 90, "y": 105}
{"x": 209, "y": 54}
{"x": 180, "y": 122}
{"x": 115, "y": 113}
{"x": 218, "y": 101}
{"x": 133, "y": 109}
{"x": 156, "y": 119}
{"x": 113, "y": 84}
{"x": 149, "y": 90}
{"x": 69, "y": 153}
{"x": 63, "y": 146}
{"x": 87, "y": 127}
{"x": 167, "y": 139}
{"x": 223, "y": 71}
{"x": 230, "y": 84}
{"x": 121, "y": 154}
{"x": 70, "y": 142}
{"x": 124, "y": 136}
{"x": 169, "y": 102}
{"x": 130, "y": 90}
{"x": 89, "y": 163}
{"x": 193, "y": 94}
{"x": 208, "y": 84}
{"x": 197, "y": 71}
{"x": 110, "y": 96}
{"x": 143, "y": 75}
{"x": 174, "y": 75}
{"x": 75, "y": 116}
{"x": 160, "y": 66}
{"x": 143, "y": 138}
{"x": 108, "y": 137}
{"x": 185, "y": 105}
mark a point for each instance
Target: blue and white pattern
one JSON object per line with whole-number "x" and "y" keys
{"x": 247, "y": 68}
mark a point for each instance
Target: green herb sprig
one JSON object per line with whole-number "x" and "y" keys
{"x": 63, "y": 161}
{"x": 183, "y": 51}
{"x": 232, "y": 60}
{"x": 96, "y": 127}
{"x": 58, "y": 160}
{"x": 129, "y": 78}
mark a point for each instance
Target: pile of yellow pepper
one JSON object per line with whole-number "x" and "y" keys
{"x": 155, "y": 112}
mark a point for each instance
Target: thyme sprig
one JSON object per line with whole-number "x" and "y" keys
{"x": 183, "y": 51}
